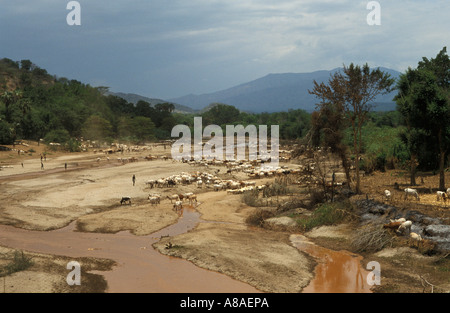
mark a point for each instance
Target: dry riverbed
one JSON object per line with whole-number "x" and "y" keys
{"x": 86, "y": 195}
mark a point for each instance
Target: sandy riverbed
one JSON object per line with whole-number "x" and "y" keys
{"x": 89, "y": 192}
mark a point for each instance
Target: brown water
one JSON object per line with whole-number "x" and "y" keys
{"x": 336, "y": 271}
{"x": 140, "y": 267}
{"x": 143, "y": 269}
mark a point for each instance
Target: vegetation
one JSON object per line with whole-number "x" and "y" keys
{"x": 20, "y": 262}
{"x": 35, "y": 105}
{"x": 326, "y": 214}
{"x": 348, "y": 98}
{"x": 423, "y": 100}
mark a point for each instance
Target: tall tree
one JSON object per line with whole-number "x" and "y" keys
{"x": 354, "y": 89}
{"x": 438, "y": 105}
{"x": 423, "y": 100}
{"x": 328, "y": 123}
{"x": 404, "y": 106}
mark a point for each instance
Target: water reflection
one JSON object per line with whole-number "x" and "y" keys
{"x": 336, "y": 271}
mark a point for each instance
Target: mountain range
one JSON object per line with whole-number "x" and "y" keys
{"x": 271, "y": 93}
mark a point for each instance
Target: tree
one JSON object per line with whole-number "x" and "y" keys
{"x": 97, "y": 128}
{"x": 437, "y": 94}
{"x": 353, "y": 90}
{"x": 328, "y": 125}
{"x": 413, "y": 137}
{"x": 143, "y": 128}
{"x": 221, "y": 114}
{"x": 9, "y": 98}
{"x": 26, "y": 65}
{"x": 423, "y": 100}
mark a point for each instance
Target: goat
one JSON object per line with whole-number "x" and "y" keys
{"x": 392, "y": 225}
{"x": 405, "y": 226}
{"x": 387, "y": 194}
{"x": 192, "y": 198}
{"x": 125, "y": 199}
{"x": 151, "y": 183}
{"x": 178, "y": 205}
{"x": 173, "y": 198}
{"x": 154, "y": 200}
{"x": 416, "y": 238}
{"x": 441, "y": 195}
{"x": 413, "y": 192}
{"x": 399, "y": 220}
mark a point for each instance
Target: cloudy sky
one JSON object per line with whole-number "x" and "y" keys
{"x": 170, "y": 48}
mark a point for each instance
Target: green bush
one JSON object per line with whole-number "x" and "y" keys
{"x": 19, "y": 263}
{"x": 59, "y": 136}
{"x": 326, "y": 214}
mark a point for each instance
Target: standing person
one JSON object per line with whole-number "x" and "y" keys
{"x": 42, "y": 165}
{"x": 134, "y": 179}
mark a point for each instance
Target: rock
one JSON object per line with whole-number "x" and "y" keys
{"x": 281, "y": 221}
{"x": 438, "y": 231}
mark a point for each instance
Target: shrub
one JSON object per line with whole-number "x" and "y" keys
{"x": 326, "y": 214}
{"x": 278, "y": 188}
{"x": 258, "y": 216}
{"x": 250, "y": 198}
{"x": 19, "y": 263}
{"x": 371, "y": 238}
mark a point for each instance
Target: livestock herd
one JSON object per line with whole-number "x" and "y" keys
{"x": 254, "y": 169}
{"x": 440, "y": 195}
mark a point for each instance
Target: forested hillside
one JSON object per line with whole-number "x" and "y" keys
{"x": 35, "y": 105}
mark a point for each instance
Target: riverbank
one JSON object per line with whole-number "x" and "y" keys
{"x": 220, "y": 248}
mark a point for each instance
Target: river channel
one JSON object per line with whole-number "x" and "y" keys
{"x": 143, "y": 269}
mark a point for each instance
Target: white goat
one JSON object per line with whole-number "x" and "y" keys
{"x": 416, "y": 238}
{"x": 405, "y": 226}
{"x": 401, "y": 220}
{"x": 413, "y": 192}
{"x": 178, "y": 205}
{"x": 387, "y": 194}
{"x": 441, "y": 195}
{"x": 154, "y": 200}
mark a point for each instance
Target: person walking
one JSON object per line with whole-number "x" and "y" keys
{"x": 134, "y": 180}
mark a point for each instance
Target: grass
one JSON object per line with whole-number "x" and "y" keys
{"x": 326, "y": 214}
{"x": 19, "y": 263}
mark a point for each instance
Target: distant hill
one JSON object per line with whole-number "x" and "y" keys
{"x": 134, "y": 98}
{"x": 276, "y": 92}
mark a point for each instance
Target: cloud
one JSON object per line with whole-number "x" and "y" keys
{"x": 166, "y": 48}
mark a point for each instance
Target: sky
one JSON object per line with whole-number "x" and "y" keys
{"x": 170, "y": 48}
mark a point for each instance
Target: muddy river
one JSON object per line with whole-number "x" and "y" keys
{"x": 142, "y": 269}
